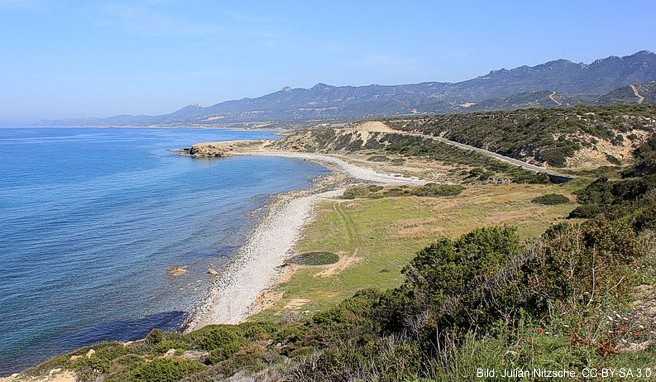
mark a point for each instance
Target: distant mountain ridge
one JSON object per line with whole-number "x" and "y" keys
{"x": 555, "y": 83}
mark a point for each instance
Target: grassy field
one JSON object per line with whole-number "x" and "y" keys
{"x": 375, "y": 238}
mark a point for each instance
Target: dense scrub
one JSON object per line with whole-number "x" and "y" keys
{"x": 482, "y": 168}
{"x": 433, "y": 190}
{"x": 551, "y": 199}
{"x": 314, "y": 258}
{"x": 546, "y": 135}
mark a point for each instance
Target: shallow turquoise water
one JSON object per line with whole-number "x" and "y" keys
{"x": 91, "y": 219}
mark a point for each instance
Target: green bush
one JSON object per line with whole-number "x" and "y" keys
{"x": 220, "y": 340}
{"x": 159, "y": 341}
{"x": 551, "y": 199}
{"x": 529, "y": 133}
{"x": 314, "y": 258}
{"x": 427, "y": 190}
{"x": 356, "y": 192}
{"x": 585, "y": 212}
{"x": 434, "y": 190}
{"x": 88, "y": 368}
{"x": 162, "y": 370}
{"x": 378, "y": 158}
{"x": 613, "y": 160}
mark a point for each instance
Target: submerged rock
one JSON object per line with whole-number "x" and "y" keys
{"x": 177, "y": 270}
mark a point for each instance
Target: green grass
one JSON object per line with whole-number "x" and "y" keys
{"x": 375, "y": 238}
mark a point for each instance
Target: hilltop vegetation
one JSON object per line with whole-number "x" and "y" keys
{"x": 475, "y": 167}
{"x": 551, "y": 136}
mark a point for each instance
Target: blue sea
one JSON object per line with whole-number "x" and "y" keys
{"x": 91, "y": 219}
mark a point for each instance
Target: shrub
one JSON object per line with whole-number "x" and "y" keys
{"x": 159, "y": 341}
{"x": 386, "y": 359}
{"x": 378, "y": 158}
{"x": 88, "y": 368}
{"x": 613, "y": 160}
{"x": 220, "y": 340}
{"x": 163, "y": 370}
{"x": 432, "y": 189}
{"x": 356, "y": 192}
{"x": 314, "y": 258}
{"x": 439, "y": 278}
{"x": 551, "y": 199}
{"x": 585, "y": 212}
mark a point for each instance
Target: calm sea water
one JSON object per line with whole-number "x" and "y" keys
{"x": 91, "y": 219}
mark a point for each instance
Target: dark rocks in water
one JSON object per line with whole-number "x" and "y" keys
{"x": 205, "y": 150}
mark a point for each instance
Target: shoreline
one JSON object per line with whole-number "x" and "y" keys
{"x": 258, "y": 266}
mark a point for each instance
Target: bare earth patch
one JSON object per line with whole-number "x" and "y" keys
{"x": 340, "y": 266}
{"x": 296, "y": 303}
{"x": 55, "y": 375}
{"x": 595, "y": 156}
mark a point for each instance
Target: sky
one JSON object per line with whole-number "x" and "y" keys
{"x": 85, "y": 58}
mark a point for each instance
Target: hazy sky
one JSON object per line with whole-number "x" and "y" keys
{"x": 64, "y": 58}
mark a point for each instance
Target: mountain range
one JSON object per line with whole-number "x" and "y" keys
{"x": 559, "y": 83}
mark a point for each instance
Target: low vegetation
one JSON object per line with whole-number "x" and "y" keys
{"x": 314, "y": 258}
{"x": 551, "y": 199}
{"x": 545, "y": 135}
{"x": 401, "y": 147}
{"x": 605, "y": 196}
{"x": 428, "y": 190}
{"x": 377, "y": 237}
{"x": 488, "y": 169}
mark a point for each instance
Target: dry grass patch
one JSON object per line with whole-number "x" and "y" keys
{"x": 375, "y": 238}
